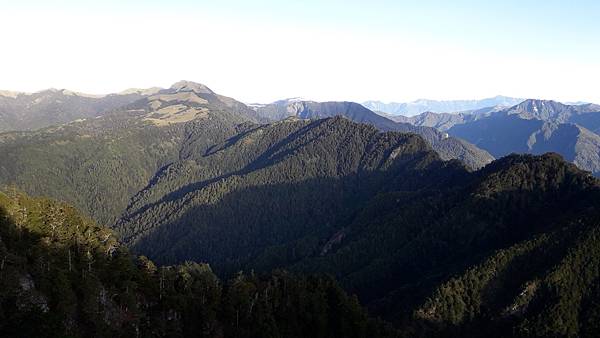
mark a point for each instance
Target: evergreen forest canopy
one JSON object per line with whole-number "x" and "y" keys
{"x": 201, "y": 216}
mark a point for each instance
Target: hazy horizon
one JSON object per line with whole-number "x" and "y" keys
{"x": 286, "y": 97}
{"x": 262, "y": 51}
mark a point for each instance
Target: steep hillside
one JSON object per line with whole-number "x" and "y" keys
{"x": 510, "y": 250}
{"x": 187, "y": 174}
{"x": 53, "y": 107}
{"x": 103, "y": 165}
{"x": 63, "y": 276}
{"x": 425, "y": 243}
{"x": 439, "y": 250}
{"x": 447, "y": 147}
{"x": 536, "y": 126}
{"x": 551, "y": 111}
{"x": 23, "y": 111}
{"x": 288, "y": 184}
{"x": 439, "y": 121}
{"x": 445, "y": 121}
{"x": 99, "y": 164}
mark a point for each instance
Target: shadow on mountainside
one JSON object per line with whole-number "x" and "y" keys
{"x": 394, "y": 238}
{"x": 62, "y": 276}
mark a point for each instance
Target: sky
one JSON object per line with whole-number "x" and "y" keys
{"x": 265, "y": 50}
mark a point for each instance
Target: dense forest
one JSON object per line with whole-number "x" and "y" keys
{"x": 192, "y": 217}
{"x": 61, "y": 275}
{"x": 98, "y": 164}
{"x": 537, "y": 275}
{"x": 511, "y": 250}
{"x": 446, "y": 146}
{"x": 103, "y": 162}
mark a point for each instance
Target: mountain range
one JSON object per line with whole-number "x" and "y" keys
{"x": 532, "y": 126}
{"x": 449, "y": 106}
{"x": 447, "y": 147}
{"x": 228, "y": 220}
{"x": 29, "y": 111}
{"x": 110, "y": 158}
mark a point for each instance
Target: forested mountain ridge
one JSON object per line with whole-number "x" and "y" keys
{"x": 318, "y": 171}
{"x": 447, "y": 147}
{"x": 510, "y": 250}
{"x": 61, "y": 275}
{"x": 538, "y": 126}
{"x": 543, "y": 110}
{"x": 24, "y": 111}
{"x": 102, "y": 164}
{"x": 532, "y": 126}
{"x": 186, "y": 174}
{"x": 422, "y": 222}
{"x": 99, "y": 164}
{"x": 489, "y": 254}
{"x": 53, "y": 107}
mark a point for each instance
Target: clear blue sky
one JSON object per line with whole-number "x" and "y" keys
{"x": 355, "y": 50}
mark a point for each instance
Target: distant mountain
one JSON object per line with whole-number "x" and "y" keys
{"x": 447, "y": 147}
{"x": 23, "y": 111}
{"x": 107, "y": 160}
{"x": 451, "y": 106}
{"x": 532, "y": 126}
{"x": 428, "y": 245}
{"x": 445, "y": 121}
{"x": 536, "y": 126}
{"x": 552, "y": 111}
{"x": 439, "y": 121}
{"x": 183, "y": 174}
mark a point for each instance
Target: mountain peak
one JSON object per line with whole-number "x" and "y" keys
{"x": 291, "y": 100}
{"x": 189, "y": 86}
{"x": 540, "y": 109}
{"x": 540, "y": 103}
{"x": 419, "y": 106}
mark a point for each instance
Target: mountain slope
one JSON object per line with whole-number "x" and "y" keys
{"x": 445, "y": 121}
{"x": 550, "y": 111}
{"x": 22, "y": 111}
{"x": 437, "y": 249}
{"x": 110, "y": 159}
{"x": 536, "y": 127}
{"x": 485, "y": 255}
{"x": 447, "y": 147}
{"x": 61, "y": 275}
{"x": 331, "y": 196}
{"x": 318, "y": 171}
{"x": 30, "y": 111}
{"x": 99, "y": 164}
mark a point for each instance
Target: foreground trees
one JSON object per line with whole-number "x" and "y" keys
{"x": 62, "y": 275}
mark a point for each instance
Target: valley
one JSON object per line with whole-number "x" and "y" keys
{"x": 433, "y": 235}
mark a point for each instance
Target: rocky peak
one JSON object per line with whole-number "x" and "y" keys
{"x": 541, "y": 110}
